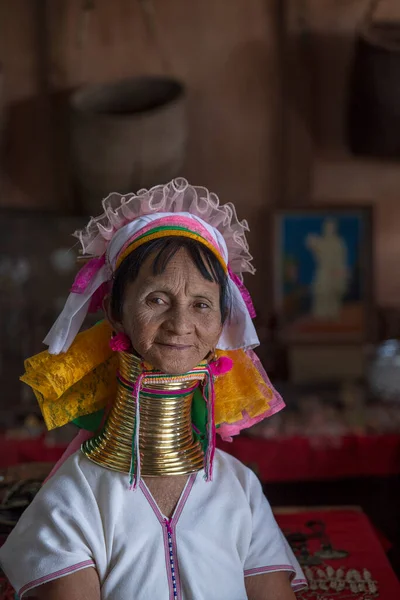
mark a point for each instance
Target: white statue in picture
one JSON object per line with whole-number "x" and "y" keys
{"x": 330, "y": 281}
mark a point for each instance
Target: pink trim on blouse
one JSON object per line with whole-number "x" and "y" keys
{"x": 56, "y": 575}
{"x": 260, "y": 570}
{"x": 299, "y": 584}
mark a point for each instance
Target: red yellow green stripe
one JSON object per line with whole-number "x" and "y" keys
{"x": 160, "y": 232}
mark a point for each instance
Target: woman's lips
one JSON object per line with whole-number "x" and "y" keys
{"x": 175, "y": 346}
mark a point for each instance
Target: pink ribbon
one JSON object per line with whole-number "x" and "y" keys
{"x": 244, "y": 292}
{"x": 85, "y": 276}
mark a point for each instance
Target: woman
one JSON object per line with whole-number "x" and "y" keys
{"x": 148, "y": 508}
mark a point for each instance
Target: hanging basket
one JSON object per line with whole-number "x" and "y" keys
{"x": 125, "y": 136}
{"x": 373, "y": 117}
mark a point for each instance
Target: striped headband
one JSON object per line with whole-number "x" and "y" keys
{"x": 171, "y": 227}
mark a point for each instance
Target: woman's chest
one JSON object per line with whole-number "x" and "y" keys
{"x": 185, "y": 556}
{"x": 166, "y": 492}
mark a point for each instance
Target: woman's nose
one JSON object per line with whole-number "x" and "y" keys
{"x": 178, "y": 321}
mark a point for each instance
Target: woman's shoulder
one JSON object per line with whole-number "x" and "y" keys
{"x": 76, "y": 465}
{"x": 229, "y": 466}
{"x": 81, "y": 475}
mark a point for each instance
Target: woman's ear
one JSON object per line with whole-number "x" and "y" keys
{"x": 116, "y": 325}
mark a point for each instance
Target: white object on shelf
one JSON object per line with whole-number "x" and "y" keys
{"x": 384, "y": 371}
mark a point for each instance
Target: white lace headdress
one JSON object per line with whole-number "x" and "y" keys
{"x": 127, "y": 216}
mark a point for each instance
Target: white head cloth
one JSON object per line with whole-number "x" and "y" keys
{"x": 238, "y": 331}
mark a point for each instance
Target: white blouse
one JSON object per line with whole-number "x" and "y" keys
{"x": 85, "y": 516}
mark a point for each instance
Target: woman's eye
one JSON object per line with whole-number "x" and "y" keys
{"x": 158, "y": 301}
{"x": 202, "y": 305}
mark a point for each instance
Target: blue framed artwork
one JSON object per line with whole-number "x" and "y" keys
{"x": 323, "y": 274}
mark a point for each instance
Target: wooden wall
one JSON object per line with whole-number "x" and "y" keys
{"x": 323, "y": 32}
{"x": 225, "y": 52}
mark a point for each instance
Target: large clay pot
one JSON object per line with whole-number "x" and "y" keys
{"x": 125, "y": 136}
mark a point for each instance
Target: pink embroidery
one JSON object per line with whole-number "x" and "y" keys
{"x": 120, "y": 342}
{"x": 86, "y": 274}
{"x": 244, "y": 292}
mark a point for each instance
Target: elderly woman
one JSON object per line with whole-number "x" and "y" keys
{"x": 143, "y": 505}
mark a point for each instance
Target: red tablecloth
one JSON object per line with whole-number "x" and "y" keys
{"x": 277, "y": 460}
{"x": 302, "y": 459}
{"x": 352, "y": 531}
{"x": 14, "y": 452}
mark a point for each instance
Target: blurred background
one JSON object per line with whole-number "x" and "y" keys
{"x": 290, "y": 109}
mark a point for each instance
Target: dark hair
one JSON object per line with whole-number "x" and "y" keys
{"x": 165, "y": 249}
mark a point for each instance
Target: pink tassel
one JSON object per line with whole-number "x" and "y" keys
{"x": 120, "y": 342}
{"x": 221, "y": 366}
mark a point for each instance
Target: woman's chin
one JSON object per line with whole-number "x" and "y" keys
{"x": 172, "y": 361}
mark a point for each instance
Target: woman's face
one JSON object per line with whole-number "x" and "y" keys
{"x": 173, "y": 319}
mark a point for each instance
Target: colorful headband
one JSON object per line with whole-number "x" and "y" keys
{"x": 177, "y": 225}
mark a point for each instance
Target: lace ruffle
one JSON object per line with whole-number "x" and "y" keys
{"x": 176, "y": 196}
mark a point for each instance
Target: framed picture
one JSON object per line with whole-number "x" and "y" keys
{"x": 323, "y": 274}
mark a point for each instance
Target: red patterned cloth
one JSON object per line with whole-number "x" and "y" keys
{"x": 348, "y": 530}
